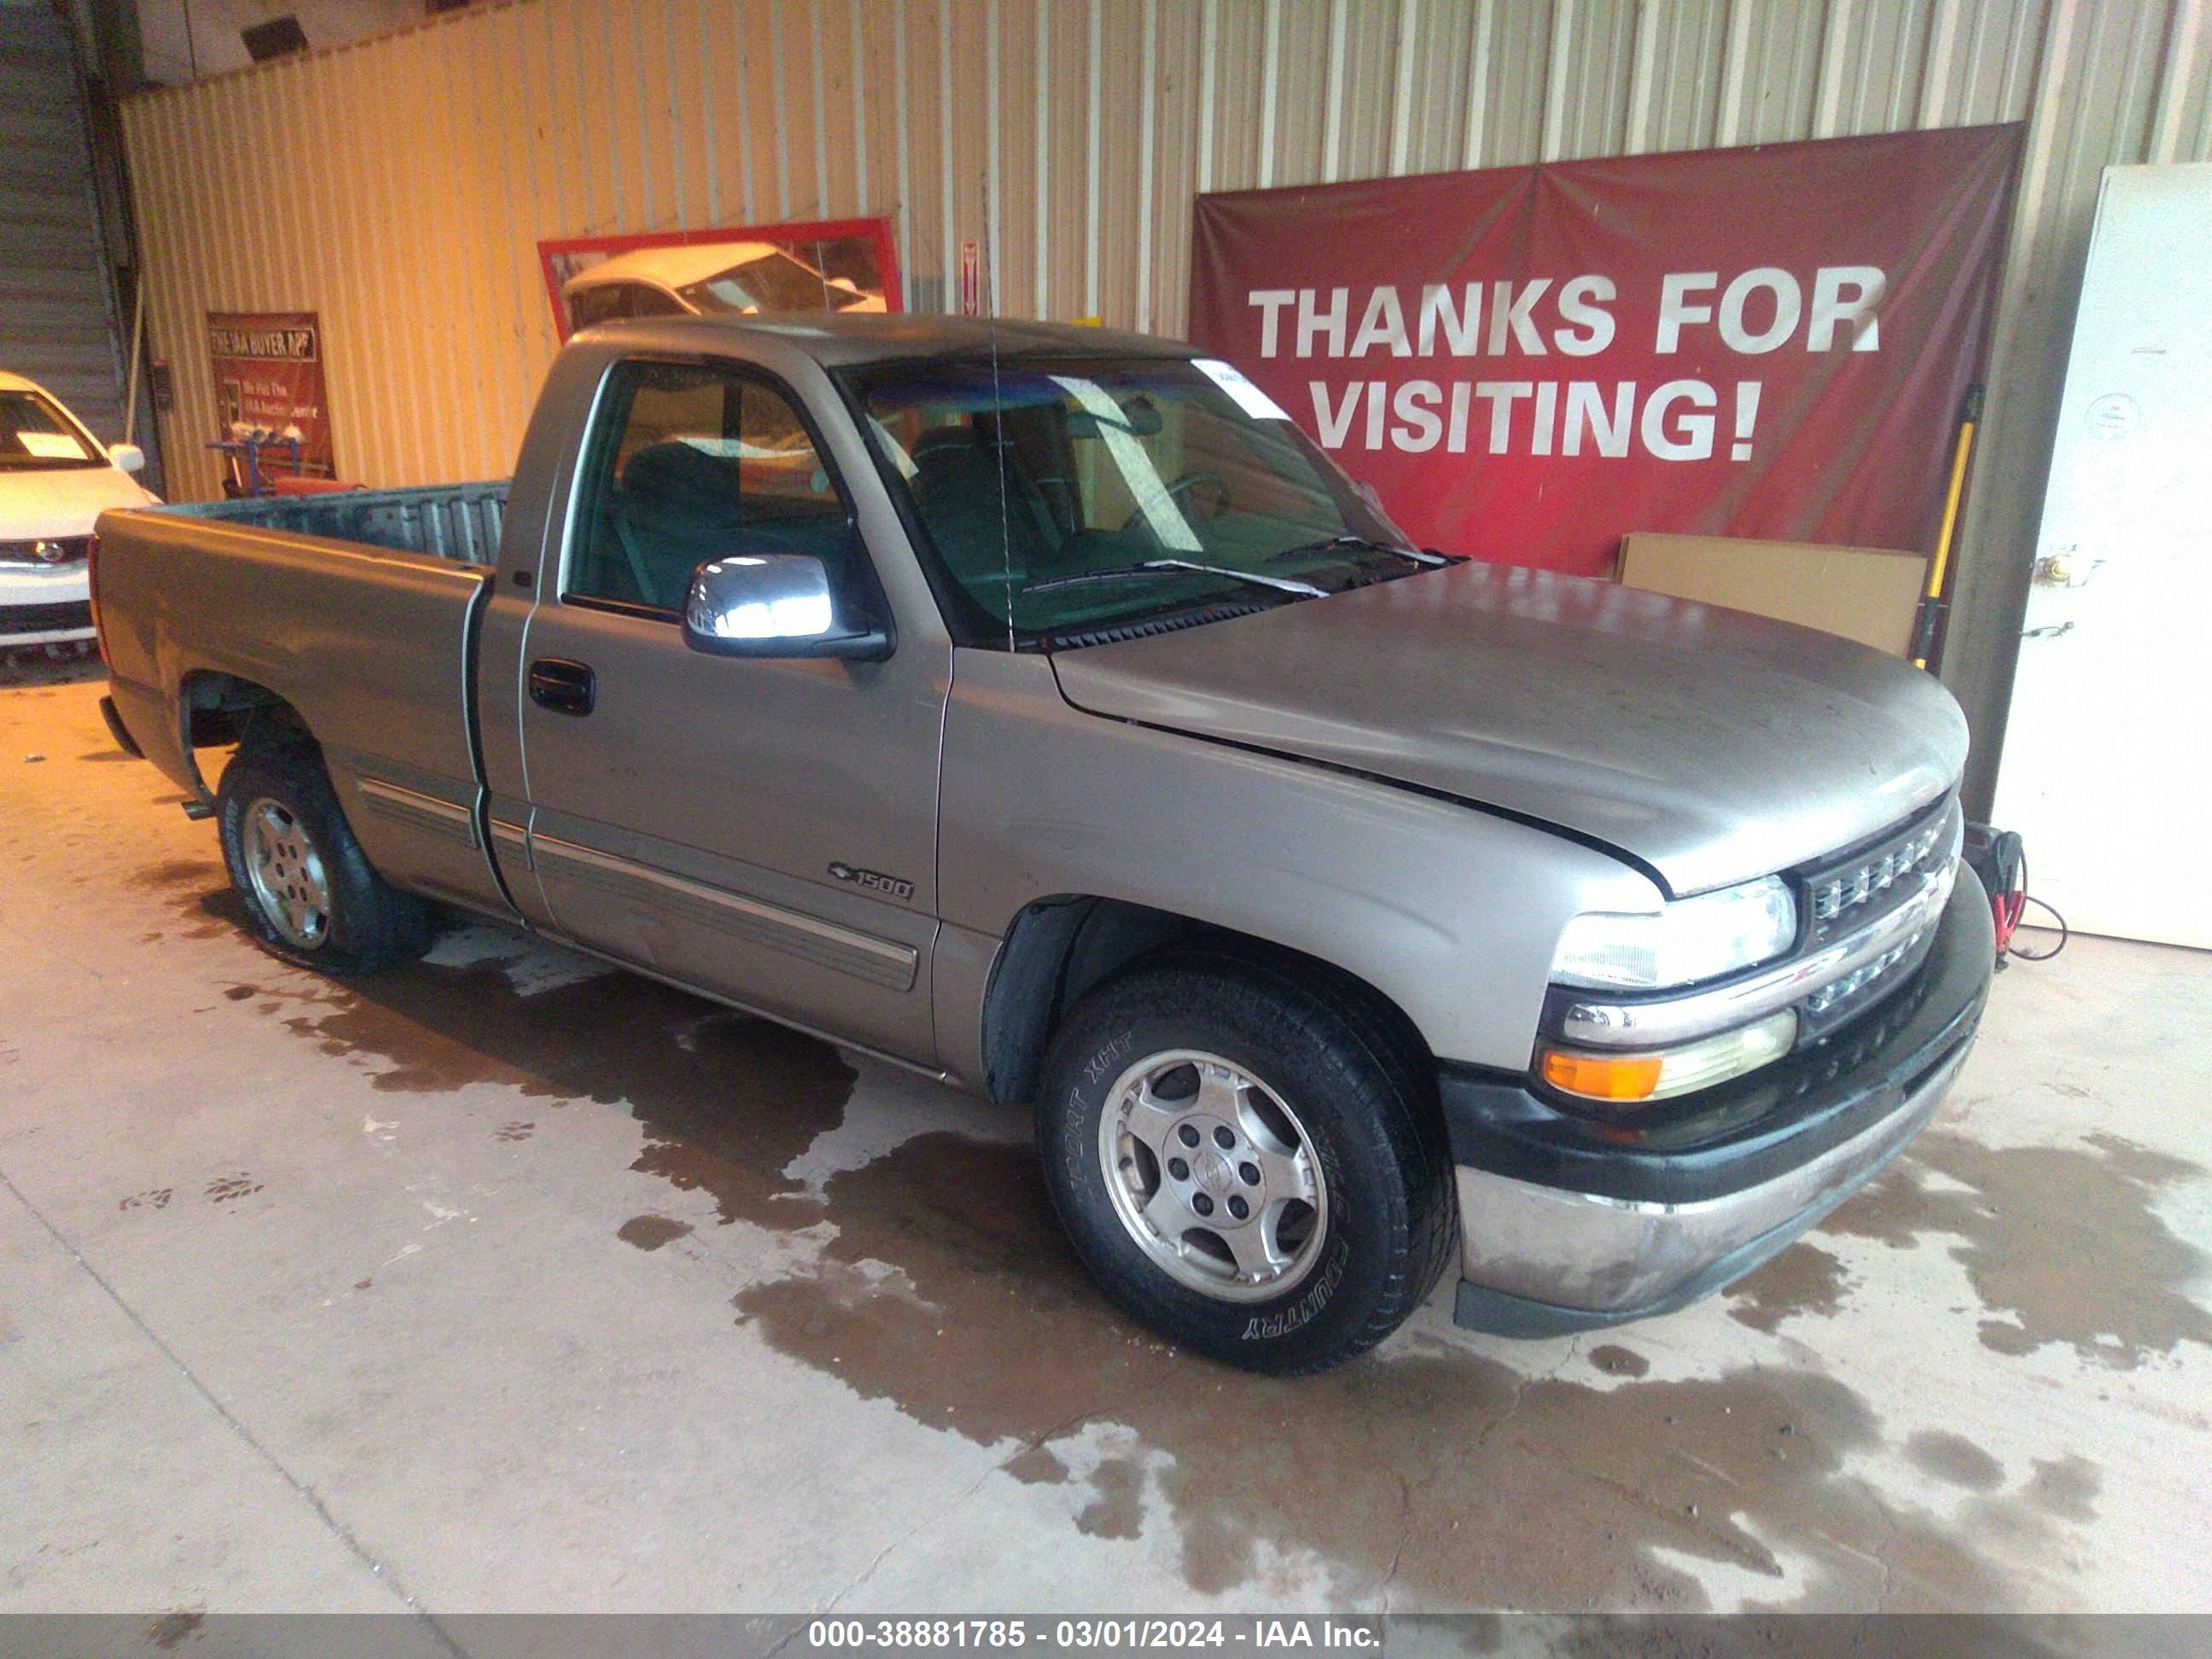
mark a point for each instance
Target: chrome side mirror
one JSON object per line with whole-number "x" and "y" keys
{"x": 772, "y": 604}
{"x": 129, "y": 457}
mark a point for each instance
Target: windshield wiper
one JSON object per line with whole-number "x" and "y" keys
{"x": 1151, "y": 567}
{"x": 1360, "y": 544}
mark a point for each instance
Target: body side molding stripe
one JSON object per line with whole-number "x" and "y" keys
{"x": 424, "y": 812}
{"x": 875, "y": 960}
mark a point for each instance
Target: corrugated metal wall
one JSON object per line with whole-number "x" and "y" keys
{"x": 397, "y": 186}
{"x": 56, "y": 318}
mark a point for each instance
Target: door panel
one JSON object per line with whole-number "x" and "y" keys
{"x": 2101, "y": 772}
{"x": 763, "y": 828}
{"x": 702, "y": 802}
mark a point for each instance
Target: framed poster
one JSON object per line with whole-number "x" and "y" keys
{"x": 268, "y": 379}
{"x": 835, "y": 266}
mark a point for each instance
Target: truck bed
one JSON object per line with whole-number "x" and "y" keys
{"x": 356, "y": 610}
{"x": 459, "y": 522}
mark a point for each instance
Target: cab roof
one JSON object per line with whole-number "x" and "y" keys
{"x": 678, "y": 266}
{"x": 841, "y": 341}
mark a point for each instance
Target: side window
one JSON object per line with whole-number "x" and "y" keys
{"x": 691, "y": 463}
{"x": 639, "y": 300}
{"x": 610, "y": 301}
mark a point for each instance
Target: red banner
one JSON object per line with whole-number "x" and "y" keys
{"x": 1530, "y": 362}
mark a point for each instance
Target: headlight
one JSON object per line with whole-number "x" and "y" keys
{"x": 1687, "y": 941}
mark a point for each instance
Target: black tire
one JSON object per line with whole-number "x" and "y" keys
{"x": 1355, "y": 1088}
{"x": 367, "y": 924}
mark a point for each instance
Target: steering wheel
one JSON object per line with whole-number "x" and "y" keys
{"x": 1183, "y": 486}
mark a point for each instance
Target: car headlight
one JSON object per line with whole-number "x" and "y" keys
{"x": 1686, "y": 941}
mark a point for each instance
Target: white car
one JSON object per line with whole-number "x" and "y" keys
{"x": 730, "y": 278}
{"x": 55, "y": 480}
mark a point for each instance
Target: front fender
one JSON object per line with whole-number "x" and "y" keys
{"x": 1450, "y": 912}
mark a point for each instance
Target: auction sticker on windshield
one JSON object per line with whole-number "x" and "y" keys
{"x": 1231, "y": 379}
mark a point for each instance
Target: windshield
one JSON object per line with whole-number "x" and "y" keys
{"x": 34, "y": 434}
{"x": 1066, "y": 496}
{"x": 774, "y": 282}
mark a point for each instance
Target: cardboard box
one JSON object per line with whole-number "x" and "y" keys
{"x": 1870, "y": 594}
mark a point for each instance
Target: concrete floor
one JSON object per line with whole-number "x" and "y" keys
{"x": 507, "y": 1282}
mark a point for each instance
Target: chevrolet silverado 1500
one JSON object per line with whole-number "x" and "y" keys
{"x": 1037, "y": 708}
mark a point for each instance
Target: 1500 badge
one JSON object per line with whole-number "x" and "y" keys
{"x": 874, "y": 880}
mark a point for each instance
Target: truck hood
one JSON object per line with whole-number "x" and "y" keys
{"x": 39, "y": 504}
{"x": 1710, "y": 745}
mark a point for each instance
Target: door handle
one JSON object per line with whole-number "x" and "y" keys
{"x": 564, "y": 687}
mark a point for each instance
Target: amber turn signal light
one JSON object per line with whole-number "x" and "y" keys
{"x": 1603, "y": 1077}
{"x": 1670, "y": 1072}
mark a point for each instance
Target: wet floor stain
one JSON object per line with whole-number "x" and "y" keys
{"x": 1118, "y": 1509}
{"x": 1440, "y": 1473}
{"x": 229, "y": 1189}
{"x": 175, "y": 875}
{"x": 1803, "y": 1279}
{"x": 1616, "y": 1361}
{"x": 1954, "y": 1458}
{"x": 1430, "y": 1472}
{"x": 2062, "y": 1243}
{"x": 173, "y": 1629}
{"x": 650, "y": 1232}
{"x": 2066, "y": 1487}
{"x": 725, "y": 1099}
{"x": 242, "y": 993}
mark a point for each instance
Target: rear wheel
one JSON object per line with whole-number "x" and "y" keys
{"x": 310, "y": 895}
{"x": 1249, "y": 1160}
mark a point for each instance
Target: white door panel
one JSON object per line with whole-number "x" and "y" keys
{"x": 2106, "y": 747}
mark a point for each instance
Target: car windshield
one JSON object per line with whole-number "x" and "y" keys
{"x": 774, "y": 282}
{"x": 34, "y": 434}
{"x": 1066, "y": 497}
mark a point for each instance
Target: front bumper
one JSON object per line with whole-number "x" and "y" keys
{"x": 1569, "y": 1222}
{"x": 42, "y": 604}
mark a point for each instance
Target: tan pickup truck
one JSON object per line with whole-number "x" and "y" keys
{"x": 1038, "y": 708}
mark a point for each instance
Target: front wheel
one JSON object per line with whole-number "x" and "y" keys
{"x": 1248, "y": 1161}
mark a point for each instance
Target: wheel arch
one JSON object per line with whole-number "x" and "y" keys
{"x": 1059, "y": 948}
{"x": 215, "y": 708}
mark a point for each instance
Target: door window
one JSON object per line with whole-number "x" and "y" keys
{"x": 693, "y": 463}
{"x": 610, "y": 301}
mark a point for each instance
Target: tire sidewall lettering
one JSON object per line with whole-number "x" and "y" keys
{"x": 1307, "y": 1306}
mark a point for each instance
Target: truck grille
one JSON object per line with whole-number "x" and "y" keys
{"x": 44, "y": 618}
{"x": 1857, "y": 890}
{"x": 1823, "y": 1061}
{"x": 1864, "y": 886}
{"x": 1838, "y": 994}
